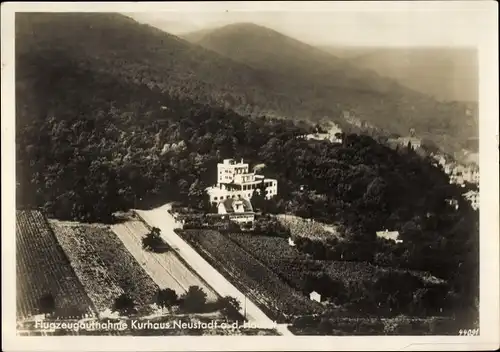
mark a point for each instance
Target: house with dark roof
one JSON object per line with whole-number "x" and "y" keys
{"x": 237, "y": 210}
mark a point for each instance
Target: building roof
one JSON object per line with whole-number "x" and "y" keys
{"x": 233, "y": 162}
{"x": 412, "y": 140}
{"x": 390, "y": 235}
{"x": 230, "y": 204}
{"x": 471, "y": 194}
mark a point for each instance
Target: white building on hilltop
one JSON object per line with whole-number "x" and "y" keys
{"x": 331, "y": 135}
{"x": 235, "y": 181}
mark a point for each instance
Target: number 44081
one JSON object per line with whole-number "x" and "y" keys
{"x": 470, "y": 332}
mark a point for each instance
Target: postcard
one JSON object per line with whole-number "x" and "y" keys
{"x": 250, "y": 176}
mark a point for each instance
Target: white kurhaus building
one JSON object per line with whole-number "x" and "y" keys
{"x": 235, "y": 181}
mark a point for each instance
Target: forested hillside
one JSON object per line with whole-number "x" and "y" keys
{"x": 446, "y": 73}
{"x": 348, "y": 84}
{"x": 104, "y": 122}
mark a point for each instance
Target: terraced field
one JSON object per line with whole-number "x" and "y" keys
{"x": 42, "y": 267}
{"x": 166, "y": 269}
{"x": 277, "y": 299}
{"x": 294, "y": 266}
{"x": 103, "y": 264}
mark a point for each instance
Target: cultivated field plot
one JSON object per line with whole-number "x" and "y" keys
{"x": 300, "y": 227}
{"x": 103, "y": 264}
{"x": 166, "y": 269}
{"x": 294, "y": 266}
{"x": 42, "y": 267}
{"x": 265, "y": 288}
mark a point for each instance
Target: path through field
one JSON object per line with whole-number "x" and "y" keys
{"x": 161, "y": 218}
{"x": 166, "y": 269}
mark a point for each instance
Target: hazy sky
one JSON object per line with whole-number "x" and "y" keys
{"x": 368, "y": 23}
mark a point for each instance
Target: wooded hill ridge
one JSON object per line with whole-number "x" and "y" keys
{"x": 270, "y": 74}
{"x": 375, "y": 92}
{"x": 447, "y": 73}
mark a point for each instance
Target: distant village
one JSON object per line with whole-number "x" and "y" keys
{"x": 458, "y": 173}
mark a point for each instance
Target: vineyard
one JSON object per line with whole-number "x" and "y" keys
{"x": 277, "y": 299}
{"x": 166, "y": 269}
{"x": 42, "y": 268}
{"x": 294, "y": 267}
{"x": 302, "y": 228}
{"x": 103, "y": 264}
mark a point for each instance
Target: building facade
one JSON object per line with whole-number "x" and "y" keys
{"x": 237, "y": 210}
{"x": 473, "y": 198}
{"x": 235, "y": 181}
{"x": 315, "y": 296}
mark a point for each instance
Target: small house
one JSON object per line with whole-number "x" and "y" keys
{"x": 237, "y": 210}
{"x": 315, "y": 296}
{"x": 389, "y": 235}
{"x": 291, "y": 242}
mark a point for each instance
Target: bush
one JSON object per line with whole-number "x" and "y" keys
{"x": 270, "y": 226}
{"x": 124, "y": 305}
{"x": 194, "y": 300}
{"x": 229, "y": 306}
{"x": 166, "y": 297}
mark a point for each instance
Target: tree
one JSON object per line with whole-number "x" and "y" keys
{"x": 125, "y": 305}
{"x": 196, "y": 194}
{"x": 153, "y": 241}
{"x": 396, "y": 290}
{"x": 194, "y": 299}
{"x": 46, "y": 303}
{"x": 229, "y": 306}
{"x": 258, "y": 199}
{"x": 270, "y": 226}
{"x": 166, "y": 298}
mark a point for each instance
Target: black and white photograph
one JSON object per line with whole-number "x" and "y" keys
{"x": 255, "y": 169}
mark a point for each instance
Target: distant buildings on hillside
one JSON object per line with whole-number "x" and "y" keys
{"x": 332, "y": 135}
{"x": 473, "y": 198}
{"x": 460, "y": 174}
{"x": 411, "y": 141}
{"x": 234, "y": 181}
